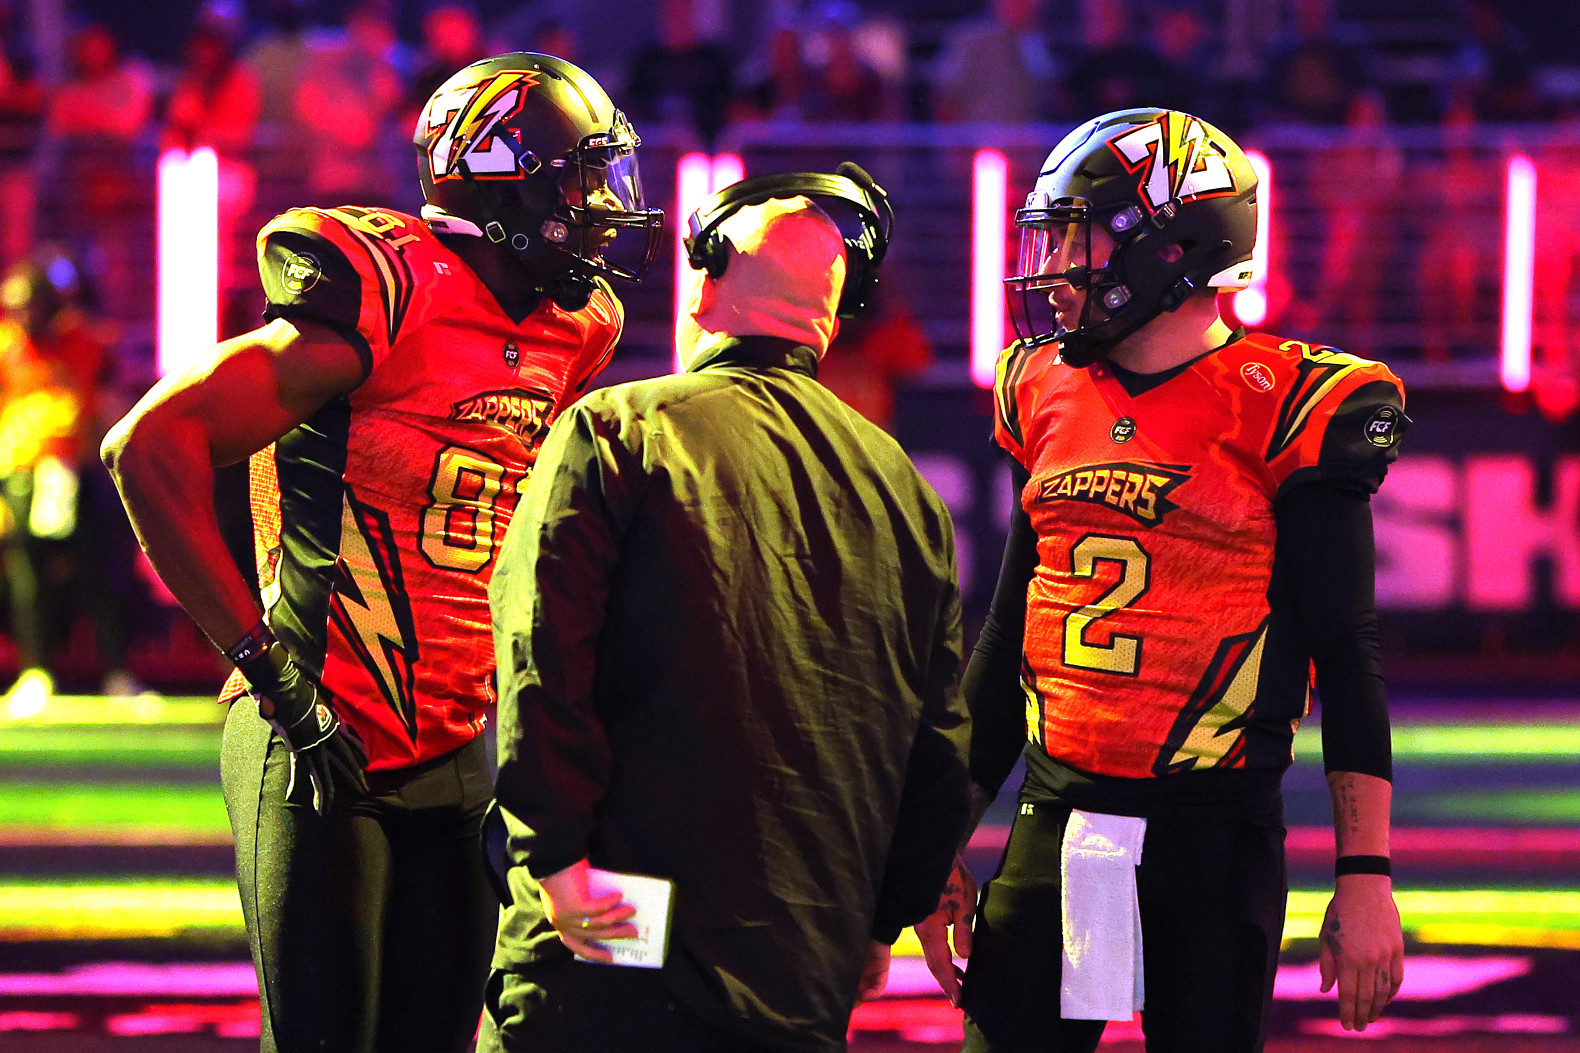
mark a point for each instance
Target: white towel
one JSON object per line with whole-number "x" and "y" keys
{"x": 1102, "y": 922}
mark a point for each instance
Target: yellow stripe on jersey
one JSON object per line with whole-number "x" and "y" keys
{"x": 1321, "y": 370}
{"x": 395, "y": 279}
{"x": 1011, "y": 364}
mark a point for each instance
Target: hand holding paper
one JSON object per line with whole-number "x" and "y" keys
{"x": 585, "y": 912}
{"x": 588, "y": 906}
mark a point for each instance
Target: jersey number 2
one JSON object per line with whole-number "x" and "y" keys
{"x": 458, "y": 528}
{"x": 1122, "y": 654}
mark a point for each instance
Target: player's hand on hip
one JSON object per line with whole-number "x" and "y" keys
{"x": 300, "y": 713}
{"x": 956, "y": 908}
{"x": 1362, "y": 948}
{"x": 581, "y": 919}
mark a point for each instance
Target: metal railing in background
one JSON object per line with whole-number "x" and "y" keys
{"x": 1386, "y": 242}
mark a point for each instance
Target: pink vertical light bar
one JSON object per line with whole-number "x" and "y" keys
{"x": 727, "y": 169}
{"x": 187, "y": 269}
{"x": 989, "y": 203}
{"x": 1519, "y": 273}
{"x": 693, "y": 175}
{"x": 696, "y": 177}
{"x": 1250, "y": 303}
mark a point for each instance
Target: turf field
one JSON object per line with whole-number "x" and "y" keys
{"x": 120, "y": 930}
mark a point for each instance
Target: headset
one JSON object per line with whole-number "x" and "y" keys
{"x": 708, "y": 250}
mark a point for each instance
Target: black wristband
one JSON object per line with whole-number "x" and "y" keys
{"x": 1361, "y": 865}
{"x": 255, "y": 643}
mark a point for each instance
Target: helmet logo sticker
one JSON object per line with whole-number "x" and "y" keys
{"x": 1382, "y": 430}
{"x": 1124, "y": 430}
{"x": 1257, "y": 376}
{"x": 460, "y": 125}
{"x": 1176, "y": 159}
{"x": 300, "y": 273}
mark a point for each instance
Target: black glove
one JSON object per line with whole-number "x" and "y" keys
{"x": 292, "y": 703}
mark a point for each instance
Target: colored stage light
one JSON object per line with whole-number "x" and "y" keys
{"x": 989, "y": 208}
{"x": 1534, "y": 806}
{"x": 166, "y": 908}
{"x": 161, "y": 710}
{"x": 169, "y": 809}
{"x": 696, "y": 177}
{"x": 1487, "y": 917}
{"x": 188, "y": 256}
{"x": 1519, "y": 273}
{"x": 1465, "y": 743}
{"x": 1250, "y": 303}
{"x": 134, "y": 746}
{"x": 137, "y": 979}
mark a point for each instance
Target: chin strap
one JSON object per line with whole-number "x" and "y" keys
{"x": 569, "y": 291}
{"x": 570, "y": 288}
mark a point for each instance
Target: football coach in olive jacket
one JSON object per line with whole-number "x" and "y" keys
{"x": 728, "y": 635}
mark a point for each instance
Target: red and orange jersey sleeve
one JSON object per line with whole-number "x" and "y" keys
{"x": 1014, "y": 395}
{"x": 349, "y": 268}
{"x": 1337, "y": 418}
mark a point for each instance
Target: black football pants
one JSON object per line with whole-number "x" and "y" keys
{"x": 371, "y": 927}
{"x": 1211, "y": 888}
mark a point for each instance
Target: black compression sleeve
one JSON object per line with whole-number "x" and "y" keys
{"x": 991, "y": 684}
{"x": 1326, "y": 549}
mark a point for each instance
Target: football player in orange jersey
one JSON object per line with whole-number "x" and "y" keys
{"x": 391, "y": 408}
{"x": 1192, "y": 537}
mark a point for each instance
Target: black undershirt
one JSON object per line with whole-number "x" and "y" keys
{"x": 1324, "y": 556}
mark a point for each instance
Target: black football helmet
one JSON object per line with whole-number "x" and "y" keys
{"x": 1152, "y": 178}
{"x": 527, "y": 151}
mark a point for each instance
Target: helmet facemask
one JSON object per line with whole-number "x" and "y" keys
{"x": 1058, "y": 294}
{"x": 602, "y": 218}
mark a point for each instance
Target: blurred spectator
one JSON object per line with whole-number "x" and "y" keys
{"x": 871, "y": 356}
{"x": 100, "y": 112}
{"x": 998, "y": 69}
{"x": 216, "y": 100}
{"x": 1495, "y": 64}
{"x": 1461, "y": 237}
{"x": 276, "y": 58}
{"x": 1354, "y": 186}
{"x": 845, "y": 86}
{"x": 107, "y": 95}
{"x": 681, "y": 80}
{"x": 452, "y": 38}
{"x": 1557, "y": 356}
{"x": 1113, "y": 70}
{"x": 53, "y": 360}
{"x": 1187, "y": 50}
{"x": 777, "y": 80}
{"x": 1317, "y": 69}
{"x": 554, "y": 38}
{"x": 215, "y": 103}
{"x": 22, "y": 103}
{"x": 349, "y": 95}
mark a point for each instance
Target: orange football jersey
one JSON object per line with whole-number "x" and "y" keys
{"x": 376, "y": 521}
{"x": 1152, "y": 646}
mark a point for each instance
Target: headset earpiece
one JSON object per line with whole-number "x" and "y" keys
{"x": 707, "y": 249}
{"x": 710, "y": 252}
